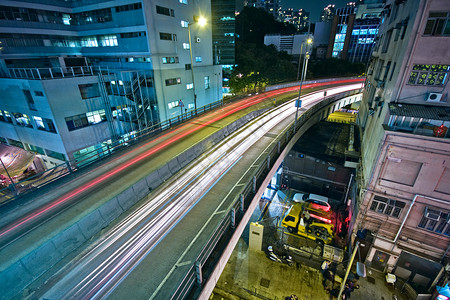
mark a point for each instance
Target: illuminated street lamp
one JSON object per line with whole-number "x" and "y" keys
{"x": 298, "y": 102}
{"x": 201, "y": 22}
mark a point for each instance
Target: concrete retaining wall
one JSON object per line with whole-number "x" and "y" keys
{"x": 16, "y": 277}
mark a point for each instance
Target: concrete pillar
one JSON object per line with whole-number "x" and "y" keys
{"x": 256, "y": 236}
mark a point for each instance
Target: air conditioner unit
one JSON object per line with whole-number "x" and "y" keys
{"x": 434, "y": 97}
{"x": 432, "y": 214}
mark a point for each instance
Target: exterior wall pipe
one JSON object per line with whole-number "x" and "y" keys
{"x": 409, "y": 209}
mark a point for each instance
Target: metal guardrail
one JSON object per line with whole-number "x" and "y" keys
{"x": 297, "y": 83}
{"x": 190, "y": 285}
{"x": 23, "y": 187}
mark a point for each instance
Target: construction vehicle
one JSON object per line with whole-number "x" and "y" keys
{"x": 305, "y": 219}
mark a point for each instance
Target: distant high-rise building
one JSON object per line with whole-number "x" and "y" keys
{"x": 404, "y": 213}
{"x": 223, "y": 31}
{"x": 271, "y": 6}
{"x": 299, "y": 18}
{"x": 76, "y": 75}
{"x": 223, "y": 13}
{"x": 328, "y": 13}
{"x": 341, "y": 30}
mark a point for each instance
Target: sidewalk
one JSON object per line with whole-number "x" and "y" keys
{"x": 251, "y": 275}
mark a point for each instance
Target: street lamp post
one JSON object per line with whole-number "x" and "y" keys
{"x": 298, "y": 102}
{"x": 202, "y": 22}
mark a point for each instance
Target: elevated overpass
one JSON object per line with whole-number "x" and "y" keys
{"x": 228, "y": 215}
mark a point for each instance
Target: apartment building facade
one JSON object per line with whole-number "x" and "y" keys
{"x": 76, "y": 75}
{"x": 404, "y": 213}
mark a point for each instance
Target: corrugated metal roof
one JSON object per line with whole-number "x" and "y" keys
{"x": 420, "y": 111}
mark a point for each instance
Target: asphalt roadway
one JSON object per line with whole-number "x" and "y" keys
{"x": 35, "y": 234}
{"x": 168, "y": 262}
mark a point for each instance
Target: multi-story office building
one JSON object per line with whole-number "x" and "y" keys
{"x": 223, "y": 31}
{"x": 291, "y": 44}
{"x": 404, "y": 116}
{"x": 223, "y": 13}
{"x": 354, "y": 31}
{"x": 328, "y": 13}
{"x": 299, "y": 18}
{"x": 78, "y": 74}
{"x": 341, "y": 29}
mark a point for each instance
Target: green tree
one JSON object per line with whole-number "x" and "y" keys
{"x": 258, "y": 64}
{"x": 253, "y": 23}
{"x": 335, "y": 67}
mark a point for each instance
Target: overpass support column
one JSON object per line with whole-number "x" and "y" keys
{"x": 198, "y": 273}
{"x": 241, "y": 203}
{"x": 233, "y": 218}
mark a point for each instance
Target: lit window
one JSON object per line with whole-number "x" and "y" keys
{"x": 89, "y": 42}
{"x": 5, "y": 116}
{"x": 44, "y": 124}
{"x": 198, "y": 59}
{"x": 109, "y": 41}
{"x": 186, "y": 46}
{"x": 22, "y": 119}
{"x": 173, "y": 81}
{"x": 436, "y": 221}
{"x": 206, "y": 82}
{"x": 184, "y": 1}
{"x": 66, "y": 19}
{"x": 170, "y": 60}
{"x": 95, "y": 117}
{"x": 173, "y": 104}
{"x": 429, "y": 75}
{"x": 189, "y": 86}
{"x": 184, "y": 23}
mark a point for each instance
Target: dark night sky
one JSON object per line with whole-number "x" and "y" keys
{"x": 314, "y": 7}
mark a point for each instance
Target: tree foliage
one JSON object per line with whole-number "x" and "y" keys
{"x": 253, "y": 23}
{"x": 335, "y": 67}
{"x": 258, "y": 64}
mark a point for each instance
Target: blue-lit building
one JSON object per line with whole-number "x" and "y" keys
{"x": 76, "y": 75}
{"x": 354, "y": 31}
{"x": 363, "y": 39}
{"x": 223, "y": 13}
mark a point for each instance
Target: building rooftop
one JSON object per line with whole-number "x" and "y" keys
{"x": 326, "y": 140}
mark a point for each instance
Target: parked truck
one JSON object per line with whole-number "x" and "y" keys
{"x": 309, "y": 220}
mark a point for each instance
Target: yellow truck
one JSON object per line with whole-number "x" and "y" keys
{"x": 305, "y": 220}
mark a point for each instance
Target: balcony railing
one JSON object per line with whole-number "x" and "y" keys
{"x": 55, "y": 72}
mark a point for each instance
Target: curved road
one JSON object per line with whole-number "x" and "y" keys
{"x": 107, "y": 263}
{"x": 144, "y": 227}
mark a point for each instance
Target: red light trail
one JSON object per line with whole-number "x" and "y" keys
{"x": 216, "y": 115}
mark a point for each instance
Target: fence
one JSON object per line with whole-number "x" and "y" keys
{"x": 21, "y": 188}
{"x": 191, "y": 284}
